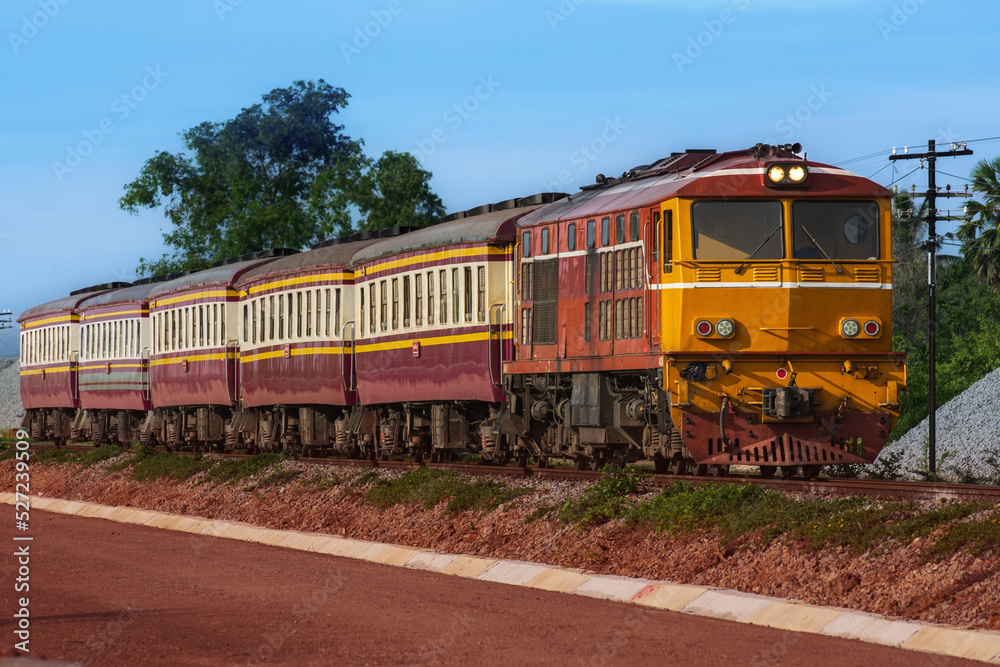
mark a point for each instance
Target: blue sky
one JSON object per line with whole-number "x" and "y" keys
{"x": 497, "y": 99}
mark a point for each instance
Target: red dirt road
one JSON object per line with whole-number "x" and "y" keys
{"x": 110, "y": 594}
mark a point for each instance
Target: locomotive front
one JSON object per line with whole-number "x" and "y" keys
{"x": 776, "y": 313}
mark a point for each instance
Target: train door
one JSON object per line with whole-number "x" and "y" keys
{"x": 651, "y": 295}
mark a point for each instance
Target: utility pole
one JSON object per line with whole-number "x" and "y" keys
{"x": 931, "y": 195}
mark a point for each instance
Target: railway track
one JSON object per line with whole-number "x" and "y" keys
{"x": 935, "y": 491}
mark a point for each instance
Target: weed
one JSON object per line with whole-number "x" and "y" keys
{"x": 322, "y": 482}
{"x": 234, "y": 470}
{"x": 604, "y": 500}
{"x": 540, "y": 513}
{"x": 149, "y": 465}
{"x": 887, "y": 466}
{"x": 429, "y": 487}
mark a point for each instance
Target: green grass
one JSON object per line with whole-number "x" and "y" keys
{"x": 428, "y": 487}
{"x": 275, "y": 478}
{"x": 747, "y": 514}
{"x": 149, "y": 465}
{"x": 235, "y": 470}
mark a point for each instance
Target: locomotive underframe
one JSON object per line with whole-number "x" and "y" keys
{"x": 595, "y": 418}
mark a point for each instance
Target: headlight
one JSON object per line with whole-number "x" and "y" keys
{"x": 725, "y": 328}
{"x": 850, "y": 328}
{"x": 797, "y": 174}
{"x": 776, "y": 174}
{"x": 787, "y": 175}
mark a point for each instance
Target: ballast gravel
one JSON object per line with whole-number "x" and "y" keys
{"x": 11, "y": 410}
{"x": 967, "y": 439}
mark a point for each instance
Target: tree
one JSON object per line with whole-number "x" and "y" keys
{"x": 279, "y": 174}
{"x": 396, "y": 192}
{"x": 980, "y": 234}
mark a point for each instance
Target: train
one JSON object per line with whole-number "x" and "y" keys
{"x": 709, "y": 309}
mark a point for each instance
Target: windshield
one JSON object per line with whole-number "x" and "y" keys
{"x": 736, "y": 230}
{"x": 835, "y": 229}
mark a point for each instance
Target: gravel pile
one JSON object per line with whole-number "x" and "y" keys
{"x": 10, "y": 394}
{"x": 968, "y": 436}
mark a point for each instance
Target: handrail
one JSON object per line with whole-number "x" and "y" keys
{"x": 145, "y": 383}
{"x": 74, "y": 382}
{"x": 349, "y": 386}
{"x": 489, "y": 344}
{"x": 231, "y": 389}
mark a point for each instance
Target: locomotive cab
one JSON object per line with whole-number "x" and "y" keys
{"x": 776, "y": 311}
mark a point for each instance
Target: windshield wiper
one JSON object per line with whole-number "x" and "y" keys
{"x": 739, "y": 269}
{"x": 820, "y": 248}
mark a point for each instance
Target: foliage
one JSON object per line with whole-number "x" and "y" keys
{"x": 428, "y": 487}
{"x": 150, "y": 465}
{"x": 280, "y": 174}
{"x": 604, "y": 500}
{"x": 981, "y": 233}
{"x": 234, "y": 470}
{"x": 396, "y": 192}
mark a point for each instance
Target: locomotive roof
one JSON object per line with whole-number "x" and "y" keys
{"x": 332, "y": 255}
{"x": 226, "y": 274}
{"x": 493, "y": 226}
{"x": 700, "y": 173}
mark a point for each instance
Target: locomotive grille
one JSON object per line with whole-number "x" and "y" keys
{"x": 867, "y": 274}
{"x": 811, "y": 275}
{"x": 546, "y": 297}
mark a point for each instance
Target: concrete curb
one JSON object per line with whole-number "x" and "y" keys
{"x": 696, "y": 600}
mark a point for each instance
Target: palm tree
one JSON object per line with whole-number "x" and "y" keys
{"x": 980, "y": 234}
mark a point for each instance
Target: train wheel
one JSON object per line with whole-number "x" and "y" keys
{"x": 701, "y": 469}
{"x": 787, "y": 472}
{"x": 767, "y": 472}
{"x": 679, "y": 465}
{"x": 810, "y": 472}
{"x": 581, "y": 462}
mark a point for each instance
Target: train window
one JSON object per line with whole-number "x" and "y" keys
{"x": 590, "y": 233}
{"x": 290, "y": 315}
{"x": 337, "y": 310}
{"x": 467, "y": 293}
{"x": 526, "y": 326}
{"x": 263, "y": 318}
{"x": 281, "y": 317}
{"x": 633, "y": 226}
{"x": 383, "y": 315}
{"x": 481, "y": 300}
{"x": 298, "y": 314}
{"x": 618, "y": 319}
{"x": 545, "y": 241}
{"x": 418, "y": 302}
{"x": 654, "y": 247}
{"x": 309, "y": 313}
{"x": 371, "y": 308}
{"x": 222, "y": 324}
{"x": 601, "y": 316}
{"x": 216, "y": 312}
{"x": 526, "y": 282}
{"x": 609, "y": 321}
{"x": 443, "y": 319}
{"x": 362, "y": 292}
{"x": 641, "y": 324}
{"x": 272, "y": 316}
{"x": 571, "y": 237}
{"x": 835, "y": 229}
{"x": 395, "y": 303}
{"x": 526, "y": 244}
{"x": 619, "y": 267}
{"x": 406, "y": 301}
{"x": 201, "y": 325}
{"x": 620, "y": 228}
{"x": 605, "y": 231}
{"x": 253, "y": 321}
{"x": 668, "y": 242}
{"x": 588, "y": 273}
{"x": 318, "y": 331}
{"x": 430, "y": 297}
{"x": 735, "y": 230}
{"x": 174, "y": 316}
{"x": 586, "y": 321}
{"x": 455, "y": 305}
